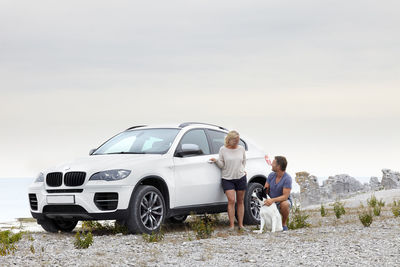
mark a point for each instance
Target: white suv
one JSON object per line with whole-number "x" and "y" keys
{"x": 142, "y": 176}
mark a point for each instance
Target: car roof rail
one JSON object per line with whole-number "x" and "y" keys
{"x": 133, "y": 127}
{"x": 182, "y": 125}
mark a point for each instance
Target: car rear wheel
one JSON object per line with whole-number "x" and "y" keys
{"x": 252, "y": 207}
{"x": 146, "y": 210}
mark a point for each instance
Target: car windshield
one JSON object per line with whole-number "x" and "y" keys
{"x": 145, "y": 141}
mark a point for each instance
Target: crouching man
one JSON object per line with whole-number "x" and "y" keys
{"x": 278, "y": 187}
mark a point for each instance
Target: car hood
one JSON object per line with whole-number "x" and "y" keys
{"x": 96, "y": 163}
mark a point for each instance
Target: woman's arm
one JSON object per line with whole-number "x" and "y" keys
{"x": 244, "y": 158}
{"x": 220, "y": 161}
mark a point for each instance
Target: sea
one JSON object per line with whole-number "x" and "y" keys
{"x": 14, "y": 202}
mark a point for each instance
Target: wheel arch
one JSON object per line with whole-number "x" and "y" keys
{"x": 261, "y": 179}
{"x": 159, "y": 183}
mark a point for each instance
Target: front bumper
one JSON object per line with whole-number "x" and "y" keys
{"x": 83, "y": 206}
{"x": 113, "y": 215}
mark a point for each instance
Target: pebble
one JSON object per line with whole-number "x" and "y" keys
{"x": 331, "y": 244}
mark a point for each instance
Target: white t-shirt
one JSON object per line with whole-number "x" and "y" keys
{"x": 232, "y": 162}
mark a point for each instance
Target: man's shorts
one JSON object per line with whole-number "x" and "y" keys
{"x": 235, "y": 184}
{"x": 278, "y": 204}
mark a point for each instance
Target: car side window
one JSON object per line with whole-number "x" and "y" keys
{"x": 217, "y": 139}
{"x": 197, "y": 137}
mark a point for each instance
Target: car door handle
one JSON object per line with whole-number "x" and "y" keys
{"x": 210, "y": 161}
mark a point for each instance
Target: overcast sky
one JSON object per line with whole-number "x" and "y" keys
{"x": 316, "y": 81}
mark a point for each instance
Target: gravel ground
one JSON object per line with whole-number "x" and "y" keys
{"x": 328, "y": 242}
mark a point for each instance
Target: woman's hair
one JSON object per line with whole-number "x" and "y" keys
{"x": 231, "y": 135}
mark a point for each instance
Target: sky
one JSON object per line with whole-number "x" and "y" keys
{"x": 315, "y": 81}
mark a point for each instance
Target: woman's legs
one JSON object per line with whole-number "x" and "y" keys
{"x": 230, "y": 194}
{"x": 240, "y": 206}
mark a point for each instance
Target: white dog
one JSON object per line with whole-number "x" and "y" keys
{"x": 270, "y": 217}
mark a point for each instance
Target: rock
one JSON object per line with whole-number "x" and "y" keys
{"x": 334, "y": 187}
{"x": 340, "y": 185}
{"x": 309, "y": 188}
{"x": 295, "y": 197}
{"x": 374, "y": 183}
{"x": 390, "y": 179}
{"x": 367, "y": 187}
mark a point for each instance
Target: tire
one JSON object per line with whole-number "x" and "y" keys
{"x": 251, "y": 208}
{"x": 55, "y": 225}
{"x": 177, "y": 219}
{"x": 147, "y": 210}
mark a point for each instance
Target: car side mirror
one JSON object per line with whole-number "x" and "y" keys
{"x": 189, "y": 149}
{"x": 92, "y": 151}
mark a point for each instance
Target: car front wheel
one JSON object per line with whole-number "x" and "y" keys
{"x": 146, "y": 211}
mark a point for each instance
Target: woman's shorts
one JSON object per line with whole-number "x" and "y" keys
{"x": 235, "y": 184}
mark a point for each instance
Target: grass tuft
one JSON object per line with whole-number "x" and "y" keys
{"x": 297, "y": 218}
{"x": 7, "y": 242}
{"x": 338, "y": 208}
{"x": 203, "y": 226}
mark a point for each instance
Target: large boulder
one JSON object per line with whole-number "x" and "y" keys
{"x": 340, "y": 185}
{"x": 309, "y": 188}
{"x": 374, "y": 183}
{"x": 390, "y": 179}
{"x": 366, "y": 187}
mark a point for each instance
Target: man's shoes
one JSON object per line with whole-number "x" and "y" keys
{"x": 285, "y": 228}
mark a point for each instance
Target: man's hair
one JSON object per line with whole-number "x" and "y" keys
{"x": 282, "y": 162}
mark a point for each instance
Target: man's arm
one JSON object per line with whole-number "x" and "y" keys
{"x": 266, "y": 186}
{"x": 285, "y": 196}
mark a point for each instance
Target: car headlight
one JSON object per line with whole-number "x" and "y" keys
{"x": 110, "y": 175}
{"x": 40, "y": 178}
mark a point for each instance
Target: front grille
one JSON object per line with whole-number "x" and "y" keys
{"x": 64, "y": 191}
{"x": 106, "y": 201}
{"x": 74, "y": 178}
{"x": 62, "y": 209}
{"x": 33, "y": 201}
{"x": 54, "y": 179}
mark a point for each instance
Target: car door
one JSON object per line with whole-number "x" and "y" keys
{"x": 197, "y": 181}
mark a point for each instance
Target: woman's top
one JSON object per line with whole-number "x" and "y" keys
{"x": 232, "y": 162}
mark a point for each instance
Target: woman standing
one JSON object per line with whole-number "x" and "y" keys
{"x": 232, "y": 162}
